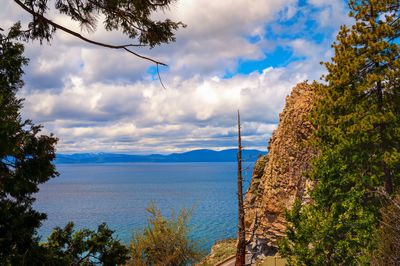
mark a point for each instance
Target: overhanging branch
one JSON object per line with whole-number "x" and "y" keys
{"x": 77, "y": 35}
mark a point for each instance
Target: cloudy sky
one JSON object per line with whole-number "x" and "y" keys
{"x": 233, "y": 54}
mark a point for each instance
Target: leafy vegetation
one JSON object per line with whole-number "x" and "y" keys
{"x": 25, "y": 160}
{"x": 357, "y": 116}
{"x": 165, "y": 241}
{"x": 66, "y": 247}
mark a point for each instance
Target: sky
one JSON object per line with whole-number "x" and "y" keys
{"x": 233, "y": 54}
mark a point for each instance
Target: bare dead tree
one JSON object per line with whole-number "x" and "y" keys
{"x": 241, "y": 246}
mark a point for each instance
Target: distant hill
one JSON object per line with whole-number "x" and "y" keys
{"x": 191, "y": 156}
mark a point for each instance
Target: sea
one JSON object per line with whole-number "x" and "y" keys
{"x": 117, "y": 193}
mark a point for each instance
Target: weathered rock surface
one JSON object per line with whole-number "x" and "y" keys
{"x": 278, "y": 176}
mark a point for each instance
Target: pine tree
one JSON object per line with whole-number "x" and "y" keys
{"x": 25, "y": 163}
{"x": 357, "y": 114}
{"x": 82, "y": 247}
{"x": 25, "y": 160}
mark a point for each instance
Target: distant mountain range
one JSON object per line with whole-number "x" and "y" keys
{"x": 191, "y": 156}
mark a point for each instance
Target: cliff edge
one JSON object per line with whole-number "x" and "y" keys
{"x": 277, "y": 177}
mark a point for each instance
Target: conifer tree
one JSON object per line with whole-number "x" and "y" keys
{"x": 25, "y": 163}
{"x": 357, "y": 114}
{"x": 25, "y": 160}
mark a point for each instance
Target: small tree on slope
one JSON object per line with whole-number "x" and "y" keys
{"x": 357, "y": 115}
{"x": 165, "y": 241}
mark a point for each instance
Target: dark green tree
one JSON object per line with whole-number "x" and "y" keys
{"x": 83, "y": 247}
{"x": 25, "y": 159}
{"x": 133, "y": 18}
{"x": 25, "y": 162}
{"x": 357, "y": 115}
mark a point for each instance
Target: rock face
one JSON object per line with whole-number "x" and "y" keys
{"x": 277, "y": 177}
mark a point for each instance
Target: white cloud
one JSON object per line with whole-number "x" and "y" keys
{"x": 143, "y": 117}
{"x": 97, "y": 99}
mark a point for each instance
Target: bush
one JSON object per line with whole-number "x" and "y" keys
{"x": 165, "y": 241}
{"x": 67, "y": 247}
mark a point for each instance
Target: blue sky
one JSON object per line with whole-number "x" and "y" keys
{"x": 234, "y": 54}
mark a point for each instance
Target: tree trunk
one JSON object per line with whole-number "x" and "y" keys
{"x": 241, "y": 245}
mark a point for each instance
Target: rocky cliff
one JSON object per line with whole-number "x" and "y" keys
{"x": 277, "y": 177}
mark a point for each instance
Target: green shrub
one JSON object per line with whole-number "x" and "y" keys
{"x": 165, "y": 241}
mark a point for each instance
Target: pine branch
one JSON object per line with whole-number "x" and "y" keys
{"x": 77, "y": 35}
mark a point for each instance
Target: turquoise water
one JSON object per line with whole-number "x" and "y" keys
{"x": 117, "y": 193}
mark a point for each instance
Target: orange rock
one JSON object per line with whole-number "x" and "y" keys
{"x": 280, "y": 181}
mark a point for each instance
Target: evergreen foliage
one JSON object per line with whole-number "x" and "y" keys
{"x": 25, "y": 160}
{"x": 357, "y": 115}
{"x": 66, "y": 247}
{"x": 25, "y": 163}
{"x": 165, "y": 241}
{"x": 133, "y": 18}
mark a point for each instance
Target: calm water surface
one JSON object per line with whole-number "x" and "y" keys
{"x": 90, "y": 194}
